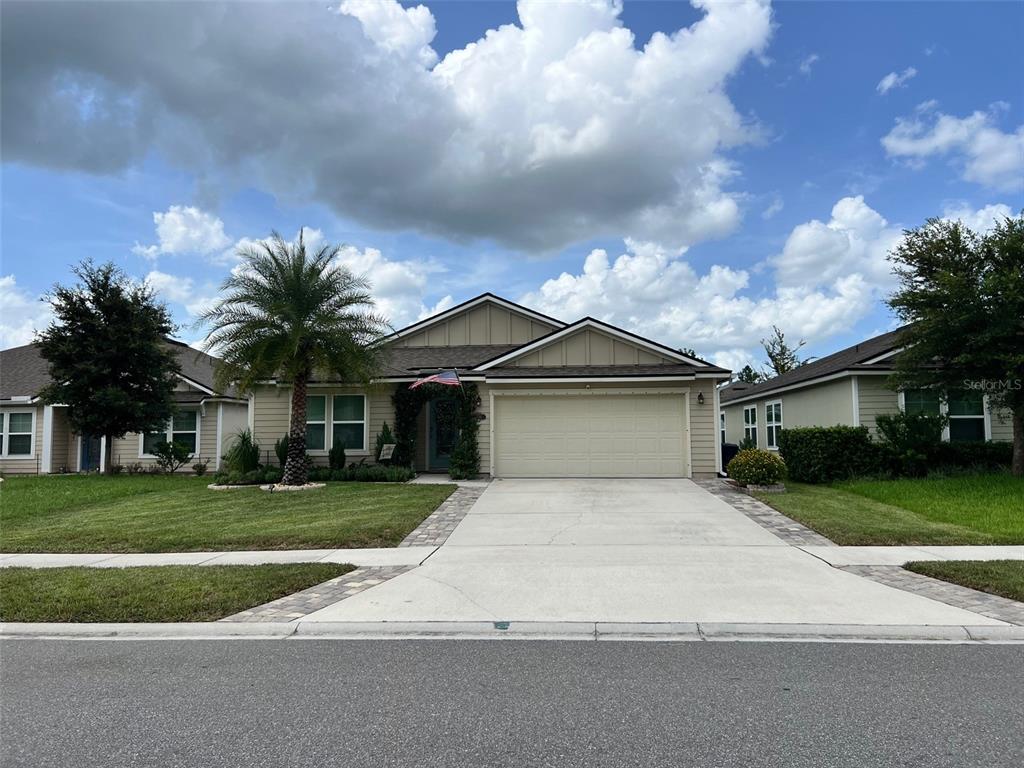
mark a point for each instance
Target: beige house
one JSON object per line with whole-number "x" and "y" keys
{"x": 583, "y": 399}
{"x": 848, "y": 387}
{"x": 37, "y": 438}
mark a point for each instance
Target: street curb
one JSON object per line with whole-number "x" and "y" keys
{"x": 530, "y": 630}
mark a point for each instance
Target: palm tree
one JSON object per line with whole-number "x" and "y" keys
{"x": 288, "y": 314}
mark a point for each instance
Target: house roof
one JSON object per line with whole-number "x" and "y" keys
{"x": 863, "y": 356}
{"x": 24, "y": 371}
{"x": 469, "y": 304}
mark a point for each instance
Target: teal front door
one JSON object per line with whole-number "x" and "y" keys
{"x": 441, "y": 433}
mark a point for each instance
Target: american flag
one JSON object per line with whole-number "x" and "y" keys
{"x": 447, "y": 378}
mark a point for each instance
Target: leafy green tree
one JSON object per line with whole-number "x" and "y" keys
{"x": 782, "y": 357}
{"x": 963, "y": 294}
{"x": 748, "y": 375}
{"x": 108, "y": 355}
{"x": 288, "y": 314}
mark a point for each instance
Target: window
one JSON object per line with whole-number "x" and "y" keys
{"x": 16, "y": 433}
{"x": 183, "y": 428}
{"x": 721, "y": 426}
{"x": 921, "y": 401}
{"x": 773, "y": 422}
{"x": 750, "y": 423}
{"x": 966, "y": 410}
{"x": 316, "y": 423}
{"x": 348, "y": 422}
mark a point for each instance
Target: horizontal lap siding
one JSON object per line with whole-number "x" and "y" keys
{"x": 1002, "y": 425}
{"x": 126, "y": 449}
{"x": 875, "y": 399}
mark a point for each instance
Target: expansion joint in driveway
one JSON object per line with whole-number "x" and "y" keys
{"x": 301, "y": 604}
{"x": 993, "y": 606}
{"x": 785, "y": 528}
{"x": 435, "y": 530}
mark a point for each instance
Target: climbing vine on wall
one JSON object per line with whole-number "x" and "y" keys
{"x": 465, "y": 458}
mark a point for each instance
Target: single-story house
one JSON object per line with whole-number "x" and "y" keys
{"x": 581, "y": 399}
{"x": 37, "y": 438}
{"x": 849, "y": 387}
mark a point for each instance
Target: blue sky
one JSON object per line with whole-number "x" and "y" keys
{"x": 748, "y": 166}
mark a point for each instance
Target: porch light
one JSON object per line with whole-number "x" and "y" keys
{"x": 700, "y": 398}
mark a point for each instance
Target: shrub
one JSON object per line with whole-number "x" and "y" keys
{"x": 826, "y": 454}
{"x": 116, "y": 469}
{"x": 200, "y": 467}
{"x": 171, "y": 456}
{"x": 244, "y": 454}
{"x": 384, "y": 437}
{"x": 281, "y": 449}
{"x": 756, "y": 467}
{"x": 336, "y": 457}
{"x": 910, "y": 442}
{"x": 363, "y": 473}
{"x": 258, "y": 476}
{"x": 135, "y": 468}
{"x": 748, "y": 444}
{"x": 975, "y": 455}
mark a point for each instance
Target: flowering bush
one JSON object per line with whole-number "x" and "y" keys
{"x": 756, "y": 467}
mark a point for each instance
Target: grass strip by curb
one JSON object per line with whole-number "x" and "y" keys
{"x": 151, "y": 593}
{"x": 997, "y": 577}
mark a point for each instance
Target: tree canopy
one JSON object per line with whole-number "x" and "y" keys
{"x": 782, "y": 357}
{"x": 963, "y": 295}
{"x": 108, "y": 355}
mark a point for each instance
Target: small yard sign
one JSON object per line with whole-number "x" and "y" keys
{"x": 386, "y": 451}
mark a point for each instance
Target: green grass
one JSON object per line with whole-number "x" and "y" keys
{"x": 161, "y": 593}
{"x": 80, "y": 513}
{"x": 968, "y": 509}
{"x": 999, "y": 577}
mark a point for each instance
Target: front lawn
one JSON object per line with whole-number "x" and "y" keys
{"x": 160, "y": 593}
{"x": 79, "y": 513}
{"x": 999, "y": 577}
{"x": 968, "y": 509}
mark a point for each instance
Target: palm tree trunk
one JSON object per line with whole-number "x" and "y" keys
{"x": 295, "y": 470}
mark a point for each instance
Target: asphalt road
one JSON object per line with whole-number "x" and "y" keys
{"x": 508, "y": 703}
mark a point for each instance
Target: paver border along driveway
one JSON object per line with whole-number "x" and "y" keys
{"x": 629, "y": 551}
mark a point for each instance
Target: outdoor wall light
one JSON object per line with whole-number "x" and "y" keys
{"x": 700, "y": 398}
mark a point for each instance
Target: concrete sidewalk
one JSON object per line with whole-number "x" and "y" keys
{"x": 843, "y": 556}
{"x": 390, "y": 556}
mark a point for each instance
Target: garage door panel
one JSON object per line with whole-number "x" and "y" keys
{"x": 590, "y": 436}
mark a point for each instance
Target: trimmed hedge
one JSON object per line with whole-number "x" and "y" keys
{"x": 756, "y": 467}
{"x": 363, "y": 473}
{"x": 988, "y": 455}
{"x": 826, "y": 454}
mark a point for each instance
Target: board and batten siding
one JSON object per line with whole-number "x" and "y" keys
{"x": 271, "y": 408}
{"x": 875, "y": 399}
{"x": 588, "y": 347}
{"x": 483, "y": 324}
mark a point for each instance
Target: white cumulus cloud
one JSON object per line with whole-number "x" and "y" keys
{"x": 987, "y": 154}
{"x": 185, "y": 230}
{"x": 981, "y": 220}
{"x": 21, "y": 314}
{"x": 895, "y": 80}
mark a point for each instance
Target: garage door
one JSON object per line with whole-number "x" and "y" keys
{"x": 590, "y": 436}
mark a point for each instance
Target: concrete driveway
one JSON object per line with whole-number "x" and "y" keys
{"x": 628, "y": 551}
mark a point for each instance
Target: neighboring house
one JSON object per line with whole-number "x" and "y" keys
{"x": 37, "y": 439}
{"x": 848, "y": 387}
{"x": 584, "y": 399}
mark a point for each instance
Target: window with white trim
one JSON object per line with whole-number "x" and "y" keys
{"x": 348, "y": 422}
{"x": 182, "y": 428}
{"x": 316, "y": 423}
{"x": 750, "y": 423}
{"x": 966, "y": 409}
{"x": 773, "y": 423}
{"x": 721, "y": 426}
{"x": 17, "y": 429}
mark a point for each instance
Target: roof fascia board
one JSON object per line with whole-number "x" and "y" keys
{"x": 802, "y": 384}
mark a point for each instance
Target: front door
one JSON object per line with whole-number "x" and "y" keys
{"x": 90, "y": 453}
{"x": 442, "y": 433}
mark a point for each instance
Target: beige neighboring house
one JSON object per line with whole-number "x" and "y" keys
{"x": 581, "y": 399}
{"x": 849, "y": 387}
{"x": 37, "y": 439}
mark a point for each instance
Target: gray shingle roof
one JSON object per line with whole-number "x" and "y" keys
{"x": 851, "y": 358}
{"x": 24, "y": 371}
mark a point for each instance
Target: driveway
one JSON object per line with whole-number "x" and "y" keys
{"x": 628, "y": 551}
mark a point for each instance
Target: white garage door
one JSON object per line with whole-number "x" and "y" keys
{"x": 590, "y": 436}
